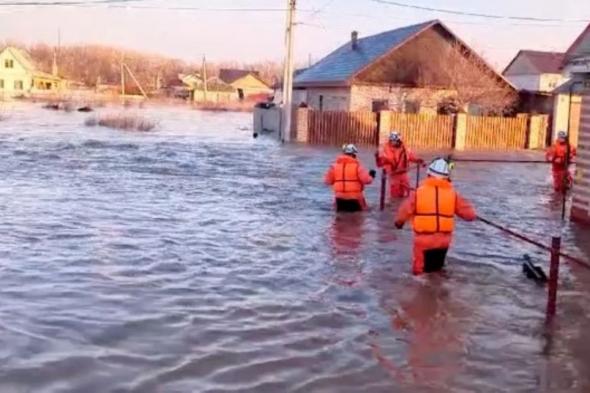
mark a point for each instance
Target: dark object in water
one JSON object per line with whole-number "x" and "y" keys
{"x": 533, "y": 271}
{"x": 255, "y": 135}
{"x": 85, "y": 109}
{"x": 348, "y": 205}
{"x": 54, "y": 107}
{"x": 434, "y": 259}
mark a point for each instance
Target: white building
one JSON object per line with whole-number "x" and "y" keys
{"x": 536, "y": 71}
{"x": 20, "y": 77}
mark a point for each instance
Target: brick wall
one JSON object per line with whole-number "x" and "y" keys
{"x": 362, "y": 97}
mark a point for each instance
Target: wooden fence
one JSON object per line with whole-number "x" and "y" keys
{"x": 336, "y": 128}
{"x": 496, "y": 133}
{"x": 424, "y": 131}
{"x": 421, "y": 131}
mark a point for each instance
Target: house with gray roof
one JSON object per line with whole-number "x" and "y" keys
{"x": 400, "y": 70}
{"x": 536, "y": 71}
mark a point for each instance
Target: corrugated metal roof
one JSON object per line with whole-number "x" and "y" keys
{"x": 580, "y": 47}
{"x": 345, "y": 62}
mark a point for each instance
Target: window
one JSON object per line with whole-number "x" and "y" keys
{"x": 9, "y": 63}
{"x": 1, "y": 84}
{"x": 379, "y": 105}
{"x": 412, "y": 106}
{"x": 18, "y": 85}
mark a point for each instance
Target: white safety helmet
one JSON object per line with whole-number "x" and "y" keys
{"x": 562, "y": 135}
{"x": 439, "y": 168}
{"x": 395, "y": 137}
{"x": 349, "y": 149}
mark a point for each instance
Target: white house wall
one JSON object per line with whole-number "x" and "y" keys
{"x": 530, "y": 82}
{"x": 549, "y": 82}
{"x": 10, "y": 76}
{"x": 333, "y": 98}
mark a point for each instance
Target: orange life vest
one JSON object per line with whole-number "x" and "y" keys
{"x": 560, "y": 154}
{"x": 347, "y": 182}
{"x": 398, "y": 156}
{"x": 435, "y": 207}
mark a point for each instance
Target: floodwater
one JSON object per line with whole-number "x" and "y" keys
{"x": 197, "y": 259}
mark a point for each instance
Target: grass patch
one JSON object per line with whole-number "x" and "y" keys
{"x": 120, "y": 121}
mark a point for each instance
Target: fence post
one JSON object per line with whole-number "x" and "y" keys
{"x": 553, "y": 279}
{"x": 384, "y": 126}
{"x": 302, "y": 123}
{"x": 538, "y": 131}
{"x": 460, "y": 132}
{"x": 528, "y": 129}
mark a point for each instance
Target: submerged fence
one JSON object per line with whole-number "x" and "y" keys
{"x": 462, "y": 132}
{"x": 339, "y": 127}
{"x": 424, "y": 131}
{"x": 497, "y": 133}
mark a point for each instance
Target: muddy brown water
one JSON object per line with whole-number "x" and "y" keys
{"x": 197, "y": 259}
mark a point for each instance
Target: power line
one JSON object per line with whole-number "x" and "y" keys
{"x": 62, "y": 3}
{"x": 476, "y": 14}
{"x": 128, "y": 4}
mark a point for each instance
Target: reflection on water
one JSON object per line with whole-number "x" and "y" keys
{"x": 196, "y": 259}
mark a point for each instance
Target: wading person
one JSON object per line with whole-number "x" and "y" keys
{"x": 560, "y": 155}
{"x": 432, "y": 209}
{"x": 395, "y": 158}
{"x": 348, "y": 179}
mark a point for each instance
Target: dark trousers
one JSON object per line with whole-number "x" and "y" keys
{"x": 348, "y": 205}
{"x": 434, "y": 260}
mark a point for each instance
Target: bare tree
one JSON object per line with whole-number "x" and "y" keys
{"x": 471, "y": 81}
{"x": 436, "y": 61}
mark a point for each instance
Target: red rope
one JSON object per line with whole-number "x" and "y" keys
{"x": 533, "y": 242}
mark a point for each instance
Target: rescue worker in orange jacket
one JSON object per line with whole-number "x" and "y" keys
{"x": 557, "y": 155}
{"x": 348, "y": 179}
{"x": 395, "y": 158}
{"x": 433, "y": 208}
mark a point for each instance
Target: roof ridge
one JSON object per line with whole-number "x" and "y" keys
{"x": 427, "y": 23}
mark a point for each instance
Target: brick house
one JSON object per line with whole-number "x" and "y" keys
{"x": 398, "y": 70}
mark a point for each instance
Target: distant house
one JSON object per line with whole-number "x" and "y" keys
{"x": 577, "y": 64}
{"x": 536, "y": 71}
{"x": 230, "y": 85}
{"x": 215, "y": 91}
{"x": 20, "y": 77}
{"x": 536, "y": 74}
{"x": 245, "y": 83}
{"x": 419, "y": 68}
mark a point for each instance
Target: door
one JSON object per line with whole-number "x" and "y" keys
{"x": 575, "y": 114}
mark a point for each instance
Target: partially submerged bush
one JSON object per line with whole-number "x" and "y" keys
{"x": 122, "y": 122}
{"x": 91, "y": 122}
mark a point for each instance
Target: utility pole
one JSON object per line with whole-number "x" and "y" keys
{"x": 288, "y": 73}
{"x": 204, "y": 77}
{"x": 122, "y": 75}
{"x": 56, "y": 53}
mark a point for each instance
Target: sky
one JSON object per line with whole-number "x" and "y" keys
{"x": 253, "y": 30}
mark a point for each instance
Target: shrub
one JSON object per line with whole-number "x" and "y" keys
{"x": 122, "y": 122}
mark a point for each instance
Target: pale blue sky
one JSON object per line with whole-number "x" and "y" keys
{"x": 251, "y": 36}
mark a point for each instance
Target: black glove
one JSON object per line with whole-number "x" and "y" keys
{"x": 399, "y": 224}
{"x": 372, "y": 173}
